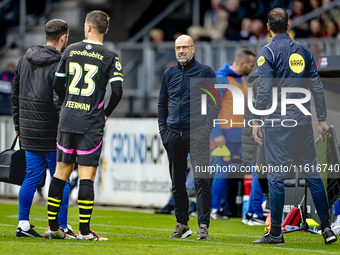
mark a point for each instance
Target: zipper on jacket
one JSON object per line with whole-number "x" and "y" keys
{"x": 180, "y": 102}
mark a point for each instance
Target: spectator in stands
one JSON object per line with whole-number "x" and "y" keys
{"x": 317, "y": 29}
{"x": 6, "y": 84}
{"x": 255, "y": 9}
{"x": 332, "y": 14}
{"x": 258, "y": 32}
{"x": 227, "y": 134}
{"x": 298, "y": 10}
{"x": 195, "y": 33}
{"x": 245, "y": 29}
{"x": 215, "y": 21}
{"x": 236, "y": 13}
{"x": 164, "y": 57}
{"x": 314, "y": 4}
{"x": 332, "y": 29}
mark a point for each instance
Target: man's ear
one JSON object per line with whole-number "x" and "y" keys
{"x": 106, "y": 30}
{"x": 193, "y": 49}
{"x": 62, "y": 38}
{"x": 268, "y": 27}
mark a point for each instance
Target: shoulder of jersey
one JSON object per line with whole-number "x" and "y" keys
{"x": 74, "y": 45}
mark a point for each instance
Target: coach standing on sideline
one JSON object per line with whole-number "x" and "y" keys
{"x": 36, "y": 119}
{"x": 184, "y": 129}
{"x": 286, "y": 63}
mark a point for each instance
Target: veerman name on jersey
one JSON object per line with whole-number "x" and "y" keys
{"x": 76, "y": 105}
{"x": 86, "y": 54}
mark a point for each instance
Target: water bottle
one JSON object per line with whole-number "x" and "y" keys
{"x": 290, "y": 227}
{"x": 247, "y": 186}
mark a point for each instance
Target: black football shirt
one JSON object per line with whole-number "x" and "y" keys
{"x": 86, "y": 68}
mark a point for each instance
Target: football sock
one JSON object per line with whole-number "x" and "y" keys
{"x": 324, "y": 224}
{"x": 85, "y": 204}
{"x": 55, "y": 194}
{"x": 24, "y": 225}
{"x": 275, "y": 229}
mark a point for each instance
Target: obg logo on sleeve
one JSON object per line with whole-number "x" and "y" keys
{"x": 261, "y": 61}
{"x": 296, "y": 63}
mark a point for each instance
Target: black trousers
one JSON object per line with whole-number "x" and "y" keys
{"x": 178, "y": 147}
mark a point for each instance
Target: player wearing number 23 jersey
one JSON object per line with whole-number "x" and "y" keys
{"x": 86, "y": 67}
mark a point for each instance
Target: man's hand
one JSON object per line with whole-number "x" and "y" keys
{"x": 16, "y": 133}
{"x": 106, "y": 118}
{"x": 257, "y": 134}
{"x": 322, "y": 127}
{"x": 219, "y": 140}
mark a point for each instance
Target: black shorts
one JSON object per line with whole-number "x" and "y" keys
{"x": 83, "y": 149}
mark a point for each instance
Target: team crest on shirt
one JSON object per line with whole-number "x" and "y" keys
{"x": 118, "y": 66}
{"x": 88, "y": 46}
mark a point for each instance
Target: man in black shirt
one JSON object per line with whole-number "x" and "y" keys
{"x": 86, "y": 67}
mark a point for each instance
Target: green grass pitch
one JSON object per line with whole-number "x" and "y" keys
{"x": 144, "y": 233}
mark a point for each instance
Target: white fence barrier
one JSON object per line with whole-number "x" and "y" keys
{"x": 133, "y": 168}
{"x": 7, "y": 135}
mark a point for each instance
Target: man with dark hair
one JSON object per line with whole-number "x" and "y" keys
{"x": 53, "y": 31}
{"x": 229, "y": 134}
{"x": 36, "y": 120}
{"x": 278, "y": 20}
{"x": 283, "y": 64}
{"x": 86, "y": 67}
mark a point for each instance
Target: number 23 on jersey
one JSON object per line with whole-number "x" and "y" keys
{"x": 77, "y": 71}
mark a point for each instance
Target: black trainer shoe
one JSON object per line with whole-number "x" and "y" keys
{"x": 165, "y": 210}
{"x": 246, "y": 219}
{"x": 270, "y": 239}
{"x": 202, "y": 232}
{"x": 256, "y": 220}
{"x": 219, "y": 216}
{"x": 329, "y": 236}
{"x": 29, "y": 233}
{"x": 69, "y": 232}
{"x": 181, "y": 231}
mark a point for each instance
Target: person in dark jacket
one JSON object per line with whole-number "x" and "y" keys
{"x": 184, "y": 126}
{"x": 289, "y": 67}
{"x": 35, "y": 114}
{"x": 254, "y": 215}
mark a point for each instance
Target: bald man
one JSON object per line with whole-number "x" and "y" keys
{"x": 185, "y": 126}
